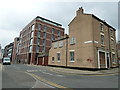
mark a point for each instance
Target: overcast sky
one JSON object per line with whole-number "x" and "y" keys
{"x": 16, "y": 14}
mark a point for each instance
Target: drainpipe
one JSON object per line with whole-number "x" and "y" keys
{"x": 109, "y": 47}
{"x": 66, "y": 50}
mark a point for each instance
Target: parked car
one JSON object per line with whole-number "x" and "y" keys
{"x": 6, "y": 61}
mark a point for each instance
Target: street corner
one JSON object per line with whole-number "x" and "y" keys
{"x": 84, "y": 72}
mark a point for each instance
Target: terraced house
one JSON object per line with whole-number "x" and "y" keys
{"x": 91, "y": 44}
{"x": 35, "y": 40}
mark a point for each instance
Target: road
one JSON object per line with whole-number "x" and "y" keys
{"x": 25, "y": 76}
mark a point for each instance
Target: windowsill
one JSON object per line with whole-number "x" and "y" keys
{"x": 113, "y": 62}
{"x": 102, "y": 31}
{"x": 102, "y": 45}
{"x": 72, "y": 61}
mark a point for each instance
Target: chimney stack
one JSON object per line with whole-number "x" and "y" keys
{"x": 80, "y": 11}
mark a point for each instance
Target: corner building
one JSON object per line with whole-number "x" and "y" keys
{"x": 91, "y": 44}
{"x": 35, "y": 40}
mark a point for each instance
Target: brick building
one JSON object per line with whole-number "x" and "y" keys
{"x": 1, "y": 53}
{"x": 15, "y": 50}
{"x": 118, "y": 52}
{"x": 91, "y": 44}
{"x": 35, "y": 40}
{"x": 8, "y": 50}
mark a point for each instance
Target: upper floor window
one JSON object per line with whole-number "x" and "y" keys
{"x": 52, "y": 30}
{"x": 43, "y": 49}
{"x": 45, "y": 28}
{"x": 55, "y": 45}
{"x": 33, "y": 27}
{"x": 102, "y": 39}
{"x": 52, "y": 37}
{"x": 39, "y": 27}
{"x": 37, "y": 49}
{"x": 38, "y": 34}
{"x": 31, "y": 41}
{"x": 30, "y": 49}
{"x": 44, "y": 42}
{"x": 58, "y": 33}
{"x": 73, "y": 40}
{"x": 101, "y": 27}
{"x": 61, "y": 44}
{"x": 111, "y": 32}
{"x": 44, "y": 35}
{"x": 38, "y": 41}
{"x": 72, "y": 56}
{"x": 32, "y": 34}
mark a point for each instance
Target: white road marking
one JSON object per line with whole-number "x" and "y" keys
{"x": 59, "y": 75}
{"x": 44, "y": 72}
{"x": 47, "y": 73}
{"x": 32, "y": 70}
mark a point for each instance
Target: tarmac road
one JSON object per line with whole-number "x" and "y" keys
{"x": 25, "y": 76}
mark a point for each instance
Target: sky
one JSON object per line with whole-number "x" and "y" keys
{"x": 16, "y": 14}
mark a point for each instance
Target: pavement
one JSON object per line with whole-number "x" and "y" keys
{"x": 81, "y": 72}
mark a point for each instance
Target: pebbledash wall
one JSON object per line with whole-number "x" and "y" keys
{"x": 35, "y": 40}
{"x": 91, "y": 44}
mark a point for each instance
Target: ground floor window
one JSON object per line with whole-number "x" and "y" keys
{"x": 72, "y": 56}
{"x": 58, "y": 56}
{"x": 113, "y": 57}
{"x": 53, "y": 59}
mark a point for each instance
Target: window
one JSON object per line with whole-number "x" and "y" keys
{"x": 101, "y": 26}
{"x": 61, "y": 44}
{"x": 71, "y": 56}
{"x": 58, "y": 56}
{"x": 113, "y": 57}
{"x": 58, "y": 33}
{"x": 55, "y": 45}
{"x": 53, "y": 59}
{"x": 44, "y": 35}
{"x": 44, "y": 42}
{"x": 31, "y": 41}
{"x": 102, "y": 39}
{"x": 33, "y": 27}
{"x": 30, "y": 49}
{"x": 43, "y": 49}
{"x": 32, "y": 34}
{"x": 72, "y": 40}
{"x": 111, "y": 32}
{"x": 39, "y": 27}
{"x": 37, "y": 49}
{"x": 52, "y": 37}
{"x": 52, "y": 30}
{"x": 38, "y": 34}
{"x": 38, "y": 41}
{"x": 45, "y": 28}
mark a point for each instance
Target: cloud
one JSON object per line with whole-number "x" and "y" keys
{"x": 16, "y": 14}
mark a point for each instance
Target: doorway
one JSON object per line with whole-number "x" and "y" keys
{"x": 108, "y": 60}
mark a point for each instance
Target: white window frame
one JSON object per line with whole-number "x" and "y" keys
{"x": 57, "y": 56}
{"x": 72, "y": 51}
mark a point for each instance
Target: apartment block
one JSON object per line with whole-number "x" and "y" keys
{"x": 35, "y": 40}
{"x": 8, "y": 50}
{"x": 15, "y": 50}
{"x": 91, "y": 44}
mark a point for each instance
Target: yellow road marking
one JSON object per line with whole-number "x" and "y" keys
{"x": 48, "y": 82}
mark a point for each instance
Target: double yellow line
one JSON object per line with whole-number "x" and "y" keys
{"x": 48, "y": 82}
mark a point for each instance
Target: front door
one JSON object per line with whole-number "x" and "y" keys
{"x": 108, "y": 61}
